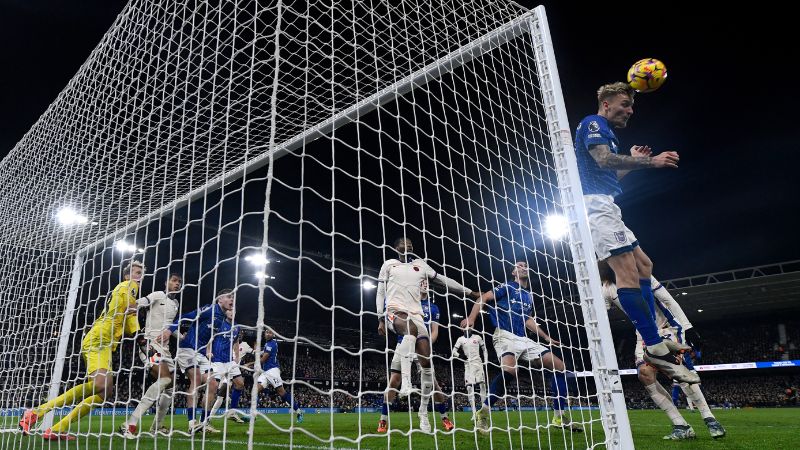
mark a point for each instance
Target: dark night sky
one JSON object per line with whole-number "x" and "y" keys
{"x": 725, "y": 108}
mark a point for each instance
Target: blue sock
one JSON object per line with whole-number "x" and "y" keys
{"x": 559, "y": 386}
{"x": 633, "y": 304}
{"x": 235, "y": 398}
{"x": 203, "y": 415}
{"x": 647, "y": 293}
{"x": 441, "y": 408}
{"x": 498, "y": 387}
{"x": 287, "y": 397}
{"x": 190, "y": 413}
{"x": 676, "y": 394}
{"x": 385, "y": 409}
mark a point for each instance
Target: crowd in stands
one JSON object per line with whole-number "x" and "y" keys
{"x": 757, "y": 341}
{"x": 728, "y": 391}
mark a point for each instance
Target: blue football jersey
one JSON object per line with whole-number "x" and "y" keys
{"x": 205, "y": 321}
{"x": 271, "y": 347}
{"x": 513, "y": 306}
{"x": 595, "y": 130}
{"x": 224, "y": 341}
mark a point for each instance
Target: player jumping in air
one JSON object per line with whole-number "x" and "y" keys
{"x": 600, "y": 166}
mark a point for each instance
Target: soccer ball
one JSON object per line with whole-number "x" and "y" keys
{"x": 647, "y": 75}
{"x": 155, "y": 358}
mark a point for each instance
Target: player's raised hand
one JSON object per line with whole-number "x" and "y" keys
{"x": 466, "y": 323}
{"x": 381, "y": 328}
{"x": 666, "y": 159}
{"x": 641, "y": 151}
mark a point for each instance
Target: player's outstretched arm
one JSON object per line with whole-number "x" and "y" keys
{"x": 533, "y": 326}
{"x": 638, "y": 151}
{"x": 607, "y": 159}
{"x": 476, "y": 309}
{"x": 448, "y": 283}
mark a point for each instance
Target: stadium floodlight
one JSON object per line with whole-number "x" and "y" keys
{"x": 67, "y": 216}
{"x": 684, "y": 293}
{"x": 126, "y": 247}
{"x": 368, "y": 285}
{"x": 257, "y": 259}
{"x": 264, "y": 275}
{"x": 699, "y": 310}
{"x": 457, "y": 316}
{"x": 556, "y": 226}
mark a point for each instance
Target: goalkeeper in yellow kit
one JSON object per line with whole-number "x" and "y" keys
{"x": 118, "y": 317}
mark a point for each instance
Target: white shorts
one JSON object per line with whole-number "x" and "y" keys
{"x": 188, "y": 358}
{"x": 609, "y": 233}
{"x": 521, "y": 346}
{"x": 473, "y": 373}
{"x": 225, "y": 372}
{"x": 271, "y": 377}
{"x": 164, "y": 354}
{"x": 417, "y": 320}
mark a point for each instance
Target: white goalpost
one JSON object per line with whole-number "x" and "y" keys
{"x": 278, "y": 149}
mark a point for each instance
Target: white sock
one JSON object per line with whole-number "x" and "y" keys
{"x": 218, "y": 401}
{"x": 150, "y": 396}
{"x": 426, "y": 380}
{"x": 406, "y": 349}
{"x": 695, "y": 395}
{"x": 164, "y": 402}
{"x": 423, "y": 403}
{"x": 663, "y": 401}
{"x": 483, "y": 392}
{"x": 471, "y": 396}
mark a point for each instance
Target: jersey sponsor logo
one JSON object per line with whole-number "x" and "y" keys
{"x": 594, "y": 126}
{"x": 595, "y": 135}
{"x": 619, "y": 236}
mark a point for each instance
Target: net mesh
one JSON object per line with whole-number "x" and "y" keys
{"x": 278, "y": 149}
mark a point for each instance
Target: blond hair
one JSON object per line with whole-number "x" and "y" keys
{"x": 131, "y": 265}
{"x": 611, "y": 90}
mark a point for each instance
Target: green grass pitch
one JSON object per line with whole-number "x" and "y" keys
{"x": 762, "y": 429}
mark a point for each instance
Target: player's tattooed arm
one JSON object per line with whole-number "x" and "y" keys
{"x": 639, "y": 151}
{"x": 607, "y": 159}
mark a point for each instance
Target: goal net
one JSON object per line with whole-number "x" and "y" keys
{"x": 278, "y": 149}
